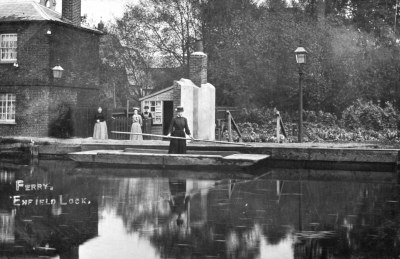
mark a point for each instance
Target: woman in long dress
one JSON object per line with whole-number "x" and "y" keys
{"x": 136, "y": 125}
{"x": 100, "y": 126}
{"x": 147, "y": 120}
{"x": 178, "y": 128}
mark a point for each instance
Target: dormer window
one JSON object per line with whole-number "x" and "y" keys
{"x": 8, "y": 48}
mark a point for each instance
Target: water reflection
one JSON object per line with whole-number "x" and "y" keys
{"x": 98, "y": 212}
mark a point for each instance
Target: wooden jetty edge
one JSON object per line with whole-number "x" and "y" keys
{"x": 331, "y": 156}
{"x": 149, "y": 158}
{"x": 170, "y": 137}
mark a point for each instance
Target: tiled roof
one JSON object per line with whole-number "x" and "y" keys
{"x": 30, "y": 11}
{"x": 27, "y": 11}
{"x": 156, "y": 93}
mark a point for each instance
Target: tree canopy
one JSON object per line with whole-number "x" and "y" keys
{"x": 352, "y": 44}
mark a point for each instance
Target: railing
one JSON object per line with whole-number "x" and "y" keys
{"x": 227, "y": 123}
{"x": 279, "y": 127}
{"x": 120, "y": 124}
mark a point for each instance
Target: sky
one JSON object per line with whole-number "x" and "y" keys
{"x": 101, "y": 9}
{"x": 95, "y": 9}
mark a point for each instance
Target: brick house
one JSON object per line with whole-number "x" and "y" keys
{"x": 195, "y": 94}
{"x": 33, "y": 40}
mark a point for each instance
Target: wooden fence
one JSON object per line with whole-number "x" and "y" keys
{"x": 120, "y": 124}
{"x": 83, "y": 122}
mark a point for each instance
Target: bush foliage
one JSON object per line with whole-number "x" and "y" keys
{"x": 61, "y": 125}
{"x": 361, "y": 121}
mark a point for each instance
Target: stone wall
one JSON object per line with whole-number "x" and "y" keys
{"x": 206, "y": 112}
{"x": 187, "y": 90}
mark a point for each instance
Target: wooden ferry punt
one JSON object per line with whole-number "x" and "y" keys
{"x": 156, "y": 157}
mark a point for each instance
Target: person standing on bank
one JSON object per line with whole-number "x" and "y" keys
{"x": 178, "y": 128}
{"x": 100, "y": 126}
{"x": 136, "y": 125}
{"x": 147, "y": 120}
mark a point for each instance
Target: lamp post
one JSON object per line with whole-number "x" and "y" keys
{"x": 301, "y": 55}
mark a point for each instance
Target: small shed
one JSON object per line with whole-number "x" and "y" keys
{"x": 194, "y": 94}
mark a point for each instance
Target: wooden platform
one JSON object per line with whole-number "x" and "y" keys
{"x": 151, "y": 158}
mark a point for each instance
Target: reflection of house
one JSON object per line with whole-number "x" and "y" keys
{"x": 195, "y": 95}
{"x": 45, "y": 230}
{"x": 34, "y": 39}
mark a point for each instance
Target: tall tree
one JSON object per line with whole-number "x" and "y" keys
{"x": 162, "y": 30}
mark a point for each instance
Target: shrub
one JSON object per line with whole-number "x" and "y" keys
{"x": 366, "y": 115}
{"x": 259, "y": 116}
{"x": 362, "y": 121}
{"x": 61, "y": 121}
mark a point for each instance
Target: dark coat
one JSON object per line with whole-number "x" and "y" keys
{"x": 178, "y": 128}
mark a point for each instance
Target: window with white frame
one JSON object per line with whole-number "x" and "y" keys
{"x": 8, "y": 48}
{"x": 156, "y": 110}
{"x": 7, "y": 108}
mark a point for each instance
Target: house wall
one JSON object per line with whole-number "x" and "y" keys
{"x": 32, "y": 58}
{"x": 77, "y": 51}
{"x": 165, "y": 96}
{"x": 36, "y": 107}
{"x": 188, "y": 91}
{"x": 38, "y": 94}
{"x": 206, "y": 112}
{"x": 198, "y": 104}
{"x": 203, "y": 100}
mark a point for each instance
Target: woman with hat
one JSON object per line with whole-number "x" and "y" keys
{"x": 136, "y": 125}
{"x": 100, "y": 126}
{"x": 147, "y": 119}
{"x": 178, "y": 128}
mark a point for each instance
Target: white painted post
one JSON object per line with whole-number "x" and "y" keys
{"x": 278, "y": 127}
{"x": 228, "y": 115}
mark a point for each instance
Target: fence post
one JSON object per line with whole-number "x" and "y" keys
{"x": 228, "y": 118}
{"x": 127, "y": 115}
{"x": 278, "y": 128}
{"x": 221, "y": 131}
{"x": 218, "y": 130}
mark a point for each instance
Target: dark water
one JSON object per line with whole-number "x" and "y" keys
{"x": 62, "y": 210}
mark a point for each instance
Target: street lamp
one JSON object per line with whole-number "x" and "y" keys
{"x": 57, "y": 71}
{"x": 301, "y": 55}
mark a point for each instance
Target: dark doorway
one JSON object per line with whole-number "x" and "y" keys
{"x": 168, "y": 109}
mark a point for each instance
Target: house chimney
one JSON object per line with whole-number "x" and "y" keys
{"x": 198, "y": 65}
{"x": 71, "y": 10}
{"x": 51, "y": 4}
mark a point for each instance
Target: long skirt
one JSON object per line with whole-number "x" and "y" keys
{"x": 147, "y": 128}
{"x": 136, "y": 129}
{"x": 177, "y": 146}
{"x": 100, "y": 130}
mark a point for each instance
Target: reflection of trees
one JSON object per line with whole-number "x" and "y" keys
{"x": 375, "y": 231}
{"x": 218, "y": 235}
{"x": 139, "y": 201}
{"x": 359, "y": 220}
{"x": 234, "y": 219}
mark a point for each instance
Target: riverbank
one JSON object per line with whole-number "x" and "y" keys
{"x": 342, "y": 156}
